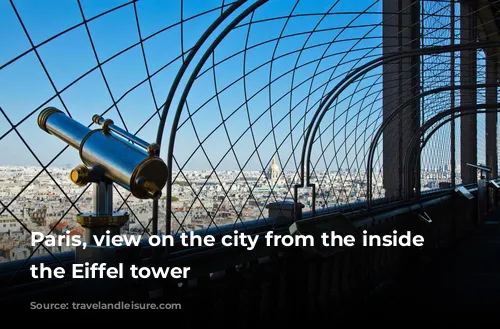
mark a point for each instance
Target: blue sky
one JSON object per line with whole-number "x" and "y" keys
{"x": 24, "y": 86}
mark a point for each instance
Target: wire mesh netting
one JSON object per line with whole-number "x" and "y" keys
{"x": 240, "y": 96}
{"x": 115, "y": 59}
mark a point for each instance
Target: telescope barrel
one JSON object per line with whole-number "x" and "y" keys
{"x": 141, "y": 172}
{"x": 55, "y": 122}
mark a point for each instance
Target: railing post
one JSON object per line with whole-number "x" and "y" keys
{"x": 285, "y": 211}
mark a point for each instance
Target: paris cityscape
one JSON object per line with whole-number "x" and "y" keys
{"x": 43, "y": 207}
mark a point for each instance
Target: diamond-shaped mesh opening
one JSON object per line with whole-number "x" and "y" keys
{"x": 140, "y": 212}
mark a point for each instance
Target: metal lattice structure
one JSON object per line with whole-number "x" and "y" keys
{"x": 252, "y": 102}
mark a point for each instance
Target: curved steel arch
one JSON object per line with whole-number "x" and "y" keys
{"x": 352, "y": 77}
{"x": 362, "y": 70}
{"x": 454, "y": 113}
{"x": 393, "y": 115}
{"x": 170, "y": 97}
{"x": 184, "y": 95}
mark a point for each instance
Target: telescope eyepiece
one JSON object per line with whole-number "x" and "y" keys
{"x": 156, "y": 195}
{"x": 105, "y": 123}
{"x": 97, "y": 119}
{"x": 150, "y": 187}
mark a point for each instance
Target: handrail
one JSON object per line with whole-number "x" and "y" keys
{"x": 259, "y": 226}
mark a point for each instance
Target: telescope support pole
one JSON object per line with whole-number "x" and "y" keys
{"x": 103, "y": 198}
{"x": 103, "y": 219}
{"x": 103, "y": 206}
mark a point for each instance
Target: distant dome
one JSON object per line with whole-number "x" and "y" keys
{"x": 274, "y": 166}
{"x": 273, "y": 172}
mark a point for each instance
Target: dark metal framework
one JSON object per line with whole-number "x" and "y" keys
{"x": 295, "y": 84}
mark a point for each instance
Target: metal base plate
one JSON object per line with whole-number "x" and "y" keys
{"x": 94, "y": 220}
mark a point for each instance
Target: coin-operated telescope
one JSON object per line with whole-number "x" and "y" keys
{"x": 109, "y": 155}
